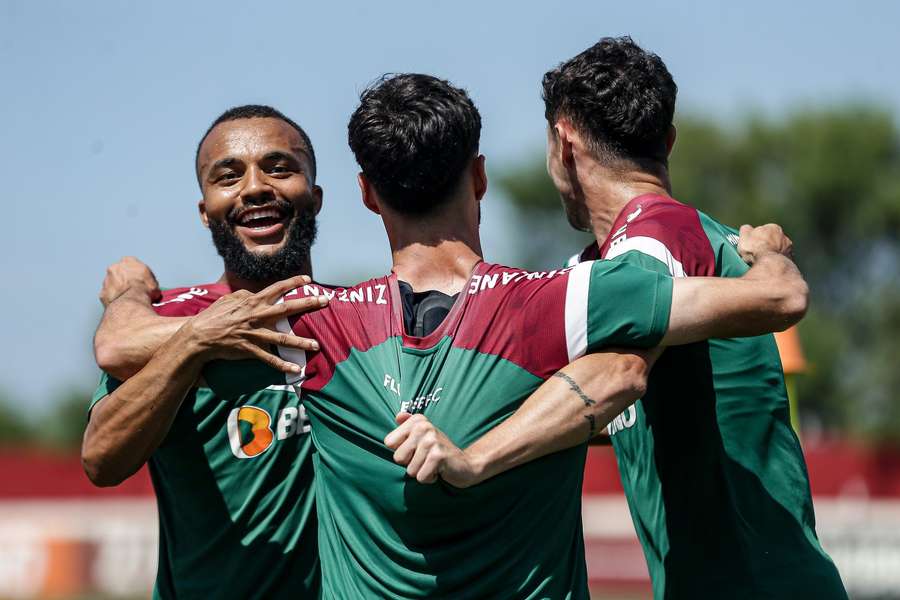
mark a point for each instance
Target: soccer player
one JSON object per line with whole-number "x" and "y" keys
{"x": 712, "y": 470}
{"x": 233, "y": 477}
{"x": 491, "y": 335}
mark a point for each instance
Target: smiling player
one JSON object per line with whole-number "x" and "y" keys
{"x": 233, "y": 477}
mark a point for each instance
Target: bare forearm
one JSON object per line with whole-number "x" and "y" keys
{"x": 129, "y": 424}
{"x": 771, "y": 296}
{"x": 567, "y": 410}
{"x": 130, "y": 333}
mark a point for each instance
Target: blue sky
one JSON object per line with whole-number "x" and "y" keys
{"x": 104, "y": 102}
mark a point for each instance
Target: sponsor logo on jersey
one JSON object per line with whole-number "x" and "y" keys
{"x": 625, "y": 420}
{"x": 184, "y": 296}
{"x": 263, "y": 432}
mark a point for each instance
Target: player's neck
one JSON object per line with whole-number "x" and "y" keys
{"x": 437, "y": 253}
{"x": 235, "y": 282}
{"x": 606, "y": 192}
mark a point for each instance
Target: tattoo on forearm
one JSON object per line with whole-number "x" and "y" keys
{"x": 592, "y": 423}
{"x": 588, "y": 402}
{"x": 575, "y": 388}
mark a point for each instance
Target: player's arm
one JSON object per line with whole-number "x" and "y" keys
{"x": 771, "y": 296}
{"x": 127, "y": 425}
{"x": 570, "y": 408}
{"x": 130, "y": 331}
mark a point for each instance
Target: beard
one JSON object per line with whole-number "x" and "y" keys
{"x": 281, "y": 264}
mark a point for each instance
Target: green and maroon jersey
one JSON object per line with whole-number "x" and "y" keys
{"x": 712, "y": 470}
{"x": 234, "y": 488}
{"x": 382, "y": 534}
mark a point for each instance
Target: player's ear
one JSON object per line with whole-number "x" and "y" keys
{"x": 479, "y": 177}
{"x": 368, "y": 194}
{"x": 204, "y": 218}
{"x": 670, "y": 140}
{"x": 318, "y": 194}
{"x": 564, "y": 134}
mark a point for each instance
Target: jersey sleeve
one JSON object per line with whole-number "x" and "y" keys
{"x": 615, "y": 304}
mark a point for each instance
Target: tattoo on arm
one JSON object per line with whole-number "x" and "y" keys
{"x": 575, "y": 388}
{"x": 588, "y": 402}
{"x": 592, "y": 423}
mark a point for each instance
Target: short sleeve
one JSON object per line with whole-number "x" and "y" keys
{"x": 106, "y": 387}
{"x": 615, "y": 304}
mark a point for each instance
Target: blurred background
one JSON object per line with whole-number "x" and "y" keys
{"x": 787, "y": 112}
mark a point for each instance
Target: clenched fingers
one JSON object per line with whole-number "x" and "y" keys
{"x": 399, "y": 435}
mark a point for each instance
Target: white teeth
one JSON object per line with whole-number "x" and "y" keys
{"x": 260, "y": 214}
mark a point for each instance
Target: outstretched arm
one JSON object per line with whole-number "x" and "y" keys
{"x": 771, "y": 296}
{"x": 568, "y": 409}
{"x": 127, "y": 425}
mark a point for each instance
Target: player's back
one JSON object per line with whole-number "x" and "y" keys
{"x": 234, "y": 486}
{"x": 714, "y": 474}
{"x": 382, "y": 534}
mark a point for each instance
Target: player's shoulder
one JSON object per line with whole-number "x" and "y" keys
{"x": 491, "y": 277}
{"x": 665, "y": 229}
{"x": 187, "y": 301}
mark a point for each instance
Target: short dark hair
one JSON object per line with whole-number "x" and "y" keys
{"x": 619, "y": 96}
{"x": 413, "y": 136}
{"x": 255, "y": 111}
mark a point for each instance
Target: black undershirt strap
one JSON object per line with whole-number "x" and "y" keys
{"x": 423, "y": 312}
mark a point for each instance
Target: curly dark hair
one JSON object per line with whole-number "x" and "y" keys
{"x": 256, "y": 111}
{"x": 619, "y": 96}
{"x": 413, "y": 135}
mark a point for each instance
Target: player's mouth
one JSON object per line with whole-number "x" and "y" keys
{"x": 262, "y": 223}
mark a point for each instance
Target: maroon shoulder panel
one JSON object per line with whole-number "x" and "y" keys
{"x": 188, "y": 301}
{"x": 517, "y": 315}
{"x": 357, "y": 317}
{"x": 674, "y": 226}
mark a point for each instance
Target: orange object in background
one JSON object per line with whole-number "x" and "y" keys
{"x": 67, "y": 571}
{"x": 793, "y": 362}
{"x": 792, "y": 359}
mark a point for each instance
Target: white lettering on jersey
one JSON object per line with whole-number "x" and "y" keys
{"x": 626, "y": 420}
{"x": 184, "y": 296}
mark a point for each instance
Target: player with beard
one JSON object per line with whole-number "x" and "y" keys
{"x": 713, "y": 473}
{"x": 501, "y": 332}
{"x": 233, "y": 477}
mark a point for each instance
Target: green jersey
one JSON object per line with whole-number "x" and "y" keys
{"x": 234, "y": 488}
{"x": 712, "y": 470}
{"x": 382, "y": 534}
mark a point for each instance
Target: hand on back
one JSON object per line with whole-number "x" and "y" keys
{"x": 765, "y": 239}
{"x": 129, "y": 274}
{"x": 242, "y": 324}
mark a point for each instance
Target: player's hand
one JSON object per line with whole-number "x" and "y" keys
{"x": 241, "y": 324}
{"x": 765, "y": 239}
{"x": 428, "y": 454}
{"x": 129, "y": 274}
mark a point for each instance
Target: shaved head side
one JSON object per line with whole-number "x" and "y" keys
{"x": 256, "y": 111}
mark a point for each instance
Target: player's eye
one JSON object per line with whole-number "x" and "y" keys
{"x": 227, "y": 177}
